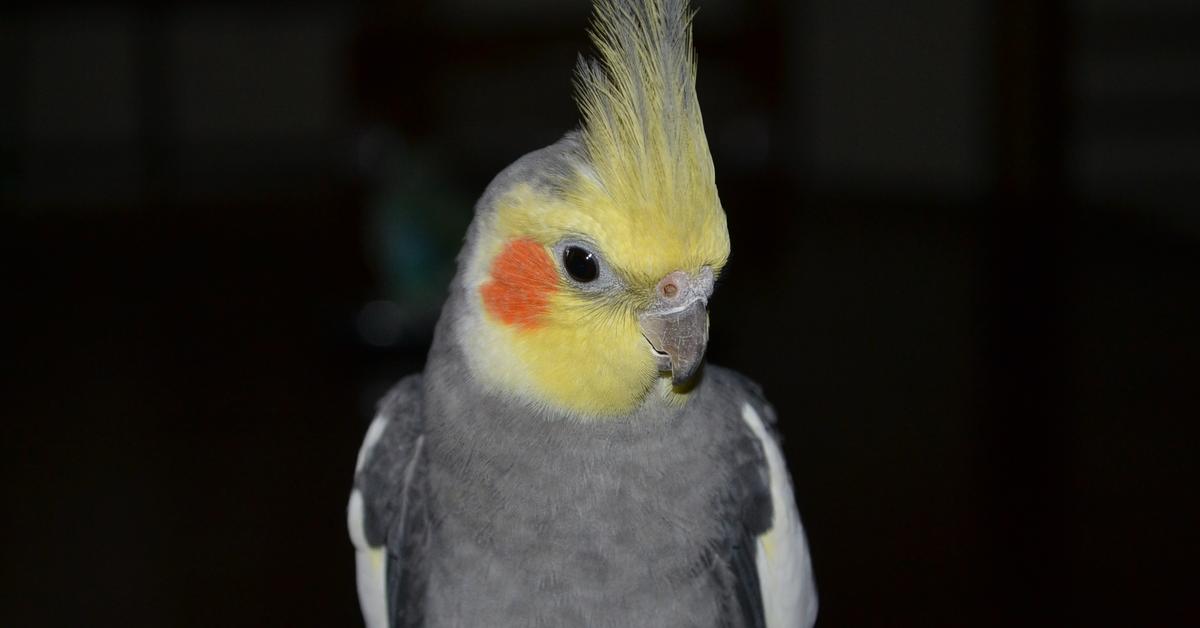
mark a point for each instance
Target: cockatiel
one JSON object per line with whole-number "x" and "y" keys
{"x": 566, "y": 458}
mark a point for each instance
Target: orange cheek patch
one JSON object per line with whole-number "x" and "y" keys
{"x": 522, "y": 280}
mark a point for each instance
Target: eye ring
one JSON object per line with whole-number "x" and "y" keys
{"x": 581, "y": 264}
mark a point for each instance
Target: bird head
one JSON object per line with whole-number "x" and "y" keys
{"x": 589, "y": 264}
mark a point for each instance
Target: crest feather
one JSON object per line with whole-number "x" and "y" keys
{"x": 642, "y": 127}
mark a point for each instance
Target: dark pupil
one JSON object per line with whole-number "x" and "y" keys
{"x": 580, "y": 264}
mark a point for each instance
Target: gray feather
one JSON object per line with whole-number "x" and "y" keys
{"x": 549, "y": 520}
{"x": 394, "y": 485}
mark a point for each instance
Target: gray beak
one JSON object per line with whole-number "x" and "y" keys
{"x": 676, "y": 325}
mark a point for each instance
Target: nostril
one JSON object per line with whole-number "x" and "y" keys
{"x": 673, "y": 287}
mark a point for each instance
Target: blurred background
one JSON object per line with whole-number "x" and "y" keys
{"x": 966, "y": 248}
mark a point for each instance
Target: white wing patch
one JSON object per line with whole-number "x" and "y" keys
{"x": 370, "y": 565}
{"x": 370, "y": 562}
{"x": 374, "y": 433}
{"x": 784, "y": 567}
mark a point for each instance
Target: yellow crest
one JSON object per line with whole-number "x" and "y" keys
{"x": 644, "y": 138}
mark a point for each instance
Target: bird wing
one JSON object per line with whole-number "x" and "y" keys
{"x": 386, "y": 507}
{"x": 781, "y": 559}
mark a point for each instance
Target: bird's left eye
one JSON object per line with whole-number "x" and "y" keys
{"x": 581, "y": 264}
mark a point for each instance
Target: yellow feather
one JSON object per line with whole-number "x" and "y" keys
{"x": 585, "y": 356}
{"x": 652, "y": 175}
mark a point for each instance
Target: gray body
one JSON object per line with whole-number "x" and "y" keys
{"x": 516, "y": 520}
{"x": 497, "y": 512}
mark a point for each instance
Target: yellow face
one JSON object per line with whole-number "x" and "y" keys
{"x": 568, "y": 344}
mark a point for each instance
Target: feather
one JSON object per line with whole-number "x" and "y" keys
{"x": 642, "y": 128}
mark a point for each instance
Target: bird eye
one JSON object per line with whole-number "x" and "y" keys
{"x": 581, "y": 264}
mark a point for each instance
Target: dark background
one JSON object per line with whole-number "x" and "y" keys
{"x": 966, "y": 249}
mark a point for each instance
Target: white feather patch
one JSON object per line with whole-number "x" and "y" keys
{"x": 784, "y": 566}
{"x": 370, "y": 565}
{"x": 374, "y": 433}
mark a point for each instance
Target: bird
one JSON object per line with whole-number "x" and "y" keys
{"x": 567, "y": 457}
